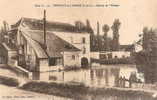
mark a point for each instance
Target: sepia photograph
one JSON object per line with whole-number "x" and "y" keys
{"x": 78, "y": 50}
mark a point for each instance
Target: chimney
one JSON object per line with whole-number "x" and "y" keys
{"x": 44, "y": 27}
{"x": 98, "y": 28}
{"x": 98, "y": 36}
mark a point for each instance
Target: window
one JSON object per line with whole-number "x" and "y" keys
{"x": 73, "y": 57}
{"x": 58, "y": 61}
{"x": 110, "y": 55}
{"x": 103, "y": 56}
{"x": 84, "y": 50}
{"x": 21, "y": 60}
{"x": 55, "y": 61}
{"x": 83, "y": 40}
{"x": 29, "y": 57}
{"x": 52, "y": 61}
{"x": 123, "y": 56}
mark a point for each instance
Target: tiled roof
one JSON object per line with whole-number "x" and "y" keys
{"x": 55, "y": 45}
{"x": 36, "y": 46}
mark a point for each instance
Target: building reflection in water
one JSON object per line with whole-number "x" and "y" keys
{"x": 97, "y": 76}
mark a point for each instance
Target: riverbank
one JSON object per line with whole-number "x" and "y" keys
{"x": 82, "y": 92}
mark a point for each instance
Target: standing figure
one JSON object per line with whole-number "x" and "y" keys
{"x": 132, "y": 79}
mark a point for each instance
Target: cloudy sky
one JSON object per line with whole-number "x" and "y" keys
{"x": 134, "y": 15}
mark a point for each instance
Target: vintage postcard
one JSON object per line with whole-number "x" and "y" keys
{"x": 78, "y": 50}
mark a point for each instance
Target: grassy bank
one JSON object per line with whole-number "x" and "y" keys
{"x": 82, "y": 92}
{"x": 58, "y": 89}
{"x": 8, "y": 81}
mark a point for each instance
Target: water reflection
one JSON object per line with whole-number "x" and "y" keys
{"x": 100, "y": 76}
{"x": 105, "y": 76}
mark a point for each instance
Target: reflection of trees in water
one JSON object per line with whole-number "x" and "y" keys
{"x": 92, "y": 76}
{"x": 115, "y": 73}
{"x": 99, "y": 75}
{"x": 106, "y": 74}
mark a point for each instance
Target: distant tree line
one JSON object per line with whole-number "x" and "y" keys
{"x": 103, "y": 42}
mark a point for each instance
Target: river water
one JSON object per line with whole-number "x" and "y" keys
{"x": 96, "y": 76}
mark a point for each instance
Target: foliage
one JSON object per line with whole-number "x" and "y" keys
{"x": 105, "y": 28}
{"x": 146, "y": 59}
{"x": 115, "y": 28}
{"x": 8, "y": 81}
{"x": 116, "y": 25}
{"x": 105, "y": 45}
{"x": 103, "y": 42}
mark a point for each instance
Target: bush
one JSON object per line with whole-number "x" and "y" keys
{"x": 59, "y": 89}
{"x": 8, "y": 81}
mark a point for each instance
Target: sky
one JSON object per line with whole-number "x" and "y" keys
{"x": 133, "y": 15}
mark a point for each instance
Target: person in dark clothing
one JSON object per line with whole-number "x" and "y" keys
{"x": 120, "y": 81}
{"x": 123, "y": 81}
{"x": 132, "y": 79}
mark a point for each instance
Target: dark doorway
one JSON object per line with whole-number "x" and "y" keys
{"x": 84, "y": 62}
{"x": 3, "y": 60}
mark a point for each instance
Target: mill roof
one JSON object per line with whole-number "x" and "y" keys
{"x": 37, "y": 24}
{"x": 55, "y": 45}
